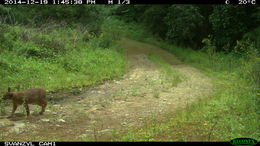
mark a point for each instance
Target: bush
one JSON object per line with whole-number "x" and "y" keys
{"x": 56, "y": 57}
{"x": 184, "y": 22}
{"x": 229, "y": 23}
{"x": 90, "y": 16}
{"x": 254, "y": 36}
{"x": 6, "y": 15}
{"x": 130, "y": 13}
{"x": 153, "y": 19}
{"x": 6, "y": 37}
{"x": 250, "y": 61}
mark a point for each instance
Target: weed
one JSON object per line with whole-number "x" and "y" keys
{"x": 156, "y": 95}
{"x": 56, "y": 59}
{"x": 229, "y": 112}
{"x": 169, "y": 73}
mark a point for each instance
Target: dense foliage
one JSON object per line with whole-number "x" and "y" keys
{"x": 56, "y": 47}
{"x": 90, "y": 16}
{"x": 188, "y": 25}
{"x": 184, "y": 23}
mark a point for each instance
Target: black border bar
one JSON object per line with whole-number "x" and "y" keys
{"x": 88, "y": 143}
{"x": 124, "y": 2}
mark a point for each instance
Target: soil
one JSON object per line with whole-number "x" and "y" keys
{"x": 99, "y": 113}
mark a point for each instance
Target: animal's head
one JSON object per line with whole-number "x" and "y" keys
{"x": 8, "y": 95}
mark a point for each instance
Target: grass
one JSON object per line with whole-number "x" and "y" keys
{"x": 231, "y": 110}
{"x": 62, "y": 58}
{"x": 56, "y": 59}
{"x": 170, "y": 74}
{"x": 221, "y": 117}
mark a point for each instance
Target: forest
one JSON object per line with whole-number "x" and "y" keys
{"x": 132, "y": 72}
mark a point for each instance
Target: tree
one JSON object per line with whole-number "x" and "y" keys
{"x": 153, "y": 19}
{"x": 229, "y": 23}
{"x": 184, "y": 24}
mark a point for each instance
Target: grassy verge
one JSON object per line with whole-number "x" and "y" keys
{"x": 56, "y": 57}
{"x": 230, "y": 112}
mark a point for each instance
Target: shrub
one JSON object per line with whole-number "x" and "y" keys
{"x": 229, "y": 23}
{"x": 184, "y": 22}
{"x": 153, "y": 19}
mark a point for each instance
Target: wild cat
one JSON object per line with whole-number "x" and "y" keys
{"x": 35, "y": 96}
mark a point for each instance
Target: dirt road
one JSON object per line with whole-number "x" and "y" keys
{"x": 100, "y": 112}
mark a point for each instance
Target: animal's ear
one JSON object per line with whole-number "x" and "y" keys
{"x": 9, "y": 89}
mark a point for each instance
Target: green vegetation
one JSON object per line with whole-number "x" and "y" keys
{"x": 169, "y": 72}
{"x": 52, "y": 55}
{"x": 231, "y": 111}
{"x": 187, "y": 25}
{"x": 73, "y": 46}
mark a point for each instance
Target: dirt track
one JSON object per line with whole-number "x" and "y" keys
{"x": 99, "y": 112}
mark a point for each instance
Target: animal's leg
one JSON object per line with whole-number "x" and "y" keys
{"x": 26, "y": 106}
{"x": 43, "y": 108}
{"x": 14, "y": 109}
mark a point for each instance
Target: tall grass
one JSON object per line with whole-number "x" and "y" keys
{"x": 230, "y": 112}
{"x": 56, "y": 57}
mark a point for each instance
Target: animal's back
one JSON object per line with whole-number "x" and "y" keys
{"x": 35, "y": 95}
